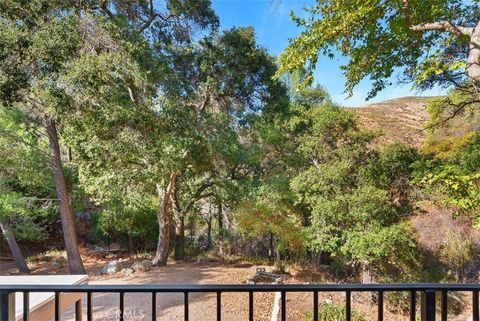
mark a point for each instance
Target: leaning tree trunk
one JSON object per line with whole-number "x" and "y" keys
{"x": 66, "y": 212}
{"x": 14, "y": 249}
{"x": 163, "y": 245}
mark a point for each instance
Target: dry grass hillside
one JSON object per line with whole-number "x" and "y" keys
{"x": 400, "y": 120}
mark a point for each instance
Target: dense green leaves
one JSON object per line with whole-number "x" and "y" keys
{"x": 380, "y": 39}
{"x": 347, "y": 186}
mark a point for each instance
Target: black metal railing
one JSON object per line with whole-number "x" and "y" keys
{"x": 428, "y": 292}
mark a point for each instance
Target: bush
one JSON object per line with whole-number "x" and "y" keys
{"x": 332, "y": 312}
{"x": 457, "y": 253}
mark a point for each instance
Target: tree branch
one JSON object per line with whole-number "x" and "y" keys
{"x": 132, "y": 90}
{"x": 443, "y": 26}
{"x": 153, "y": 15}
{"x": 458, "y": 109}
{"x": 196, "y": 196}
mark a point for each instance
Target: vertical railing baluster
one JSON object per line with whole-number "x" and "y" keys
{"x": 122, "y": 306}
{"x": 26, "y": 306}
{"x": 250, "y": 305}
{"x": 89, "y": 306}
{"x": 185, "y": 306}
{"x": 380, "y": 305}
{"x": 7, "y": 305}
{"x": 219, "y": 306}
{"x": 58, "y": 311}
{"x": 284, "y": 306}
{"x": 348, "y": 305}
{"x": 315, "y": 305}
{"x": 475, "y": 308}
{"x": 444, "y": 305}
{"x": 78, "y": 310}
{"x": 428, "y": 305}
{"x": 413, "y": 305}
{"x": 154, "y": 306}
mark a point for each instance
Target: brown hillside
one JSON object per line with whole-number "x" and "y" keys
{"x": 400, "y": 120}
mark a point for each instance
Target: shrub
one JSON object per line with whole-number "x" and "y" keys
{"x": 332, "y": 312}
{"x": 457, "y": 253}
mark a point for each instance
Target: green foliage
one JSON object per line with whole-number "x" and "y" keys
{"x": 137, "y": 104}
{"x": 346, "y": 185}
{"x": 23, "y": 219}
{"x": 392, "y": 167}
{"x": 378, "y": 39}
{"x": 455, "y": 174}
{"x": 26, "y": 189}
{"x": 462, "y": 190}
{"x": 449, "y": 170}
{"x": 133, "y": 216}
{"x": 269, "y": 211}
{"x": 332, "y": 312}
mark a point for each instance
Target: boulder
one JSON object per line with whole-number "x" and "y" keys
{"x": 138, "y": 267}
{"x": 147, "y": 264}
{"x": 143, "y": 266}
{"x": 111, "y": 267}
{"x": 126, "y": 271}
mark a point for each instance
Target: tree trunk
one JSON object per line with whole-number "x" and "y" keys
{"x": 180, "y": 239}
{"x": 473, "y": 60}
{"x": 209, "y": 233}
{"x": 278, "y": 260}
{"x": 66, "y": 212}
{"x": 69, "y": 153}
{"x": 14, "y": 249}
{"x": 163, "y": 245}
{"x": 367, "y": 279}
{"x": 221, "y": 229}
{"x": 220, "y": 222}
{"x": 192, "y": 231}
{"x": 131, "y": 247}
{"x": 271, "y": 247}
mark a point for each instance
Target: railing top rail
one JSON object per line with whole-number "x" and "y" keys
{"x": 240, "y": 288}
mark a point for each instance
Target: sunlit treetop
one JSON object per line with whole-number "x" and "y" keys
{"x": 431, "y": 42}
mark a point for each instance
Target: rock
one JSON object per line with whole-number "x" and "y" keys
{"x": 138, "y": 267}
{"x": 147, "y": 264}
{"x": 111, "y": 267}
{"x": 99, "y": 249}
{"x": 126, "y": 271}
{"x": 143, "y": 266}
{"x": 114, "y": 247}
{"x": 58, "y": 263}
{"x": 110, "y": 256}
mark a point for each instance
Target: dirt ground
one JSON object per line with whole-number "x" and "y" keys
{"x": 169, "y": 306}
{"x": 203, "y": 306}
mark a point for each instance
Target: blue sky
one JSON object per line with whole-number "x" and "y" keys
{"x": 273, "y": 27}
